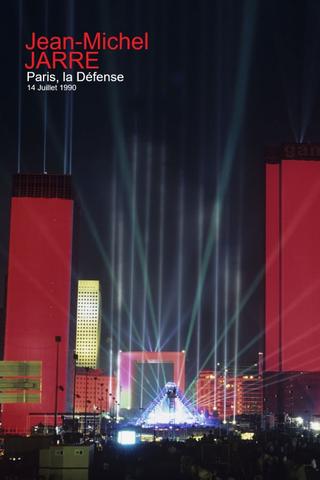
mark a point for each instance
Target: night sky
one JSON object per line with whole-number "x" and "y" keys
{"x": 168, "y": 167}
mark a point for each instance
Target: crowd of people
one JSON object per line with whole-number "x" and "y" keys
{"x": 216, "y": 456}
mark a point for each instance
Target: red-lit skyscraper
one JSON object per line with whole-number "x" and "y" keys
{"x": 38, "y": 291}
{"x": 292, "y": 266}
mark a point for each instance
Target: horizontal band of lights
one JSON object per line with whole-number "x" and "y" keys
{"x": 20, "y": 382}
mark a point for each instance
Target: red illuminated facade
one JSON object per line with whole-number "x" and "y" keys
{"x": 293, "y": 260}
{"x": 292, "y": 327}
{"x": 38, "y": 290}
{"x": 95, "y": 392}
{"x": 222, "y": 394}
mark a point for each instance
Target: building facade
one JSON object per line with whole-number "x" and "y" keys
{"x": 38, "y": 290}
{"x": 292, "y": 326}
{"x": 95, "y": 392}
{"x": 227, "y": 395}
{"x": 88, "y": 323}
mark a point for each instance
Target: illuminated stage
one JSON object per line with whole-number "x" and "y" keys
{"x": 169, "y": 408}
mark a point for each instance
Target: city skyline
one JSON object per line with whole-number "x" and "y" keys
{"x": 168, "y": 169}
{"x": 159, "y": 239}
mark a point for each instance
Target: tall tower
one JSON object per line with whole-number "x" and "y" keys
{"x": 293, "y": 273}
{"x": 38, "y": 291}
{"x": 88, "y": 323}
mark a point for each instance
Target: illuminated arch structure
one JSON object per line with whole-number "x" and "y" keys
{"x": 127, "y": 362}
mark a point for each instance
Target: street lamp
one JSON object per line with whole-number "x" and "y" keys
{"x": 58, "y": 341}
{"x": 113, "y": 408}
{"x": 108, "y": 405}
{"x": 75, "y": 358}
{"x": 95, "y": 407}
{"x": 101, "y": 396}
{"x": 86, "y": 402}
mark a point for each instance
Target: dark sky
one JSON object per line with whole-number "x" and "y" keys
{"x": 221, "y": 80}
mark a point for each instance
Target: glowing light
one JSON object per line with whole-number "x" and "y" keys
{"x": 145, "y": 275}
{"x": 161, "y": 246}
{"x": 127, "y": 437}
{"x": 298, "y": 420}
{"x": 169, "y": 408}
{"x": 240, "y": 94}
{"x": 216, "y": 301}
{"x": 180, "y": 262}
{"x": 147, "y": 437}
{"x": 225, "y": 342}
{"x": 132, "y": 250}
{"x": 237, "y": 319}
{"x": 315, "y": 426}
{"x": 200, "y": 248}
{"x": 247, "y": 436}
{"x": 88, "y": 323}
{"x": 120, "y": 276}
